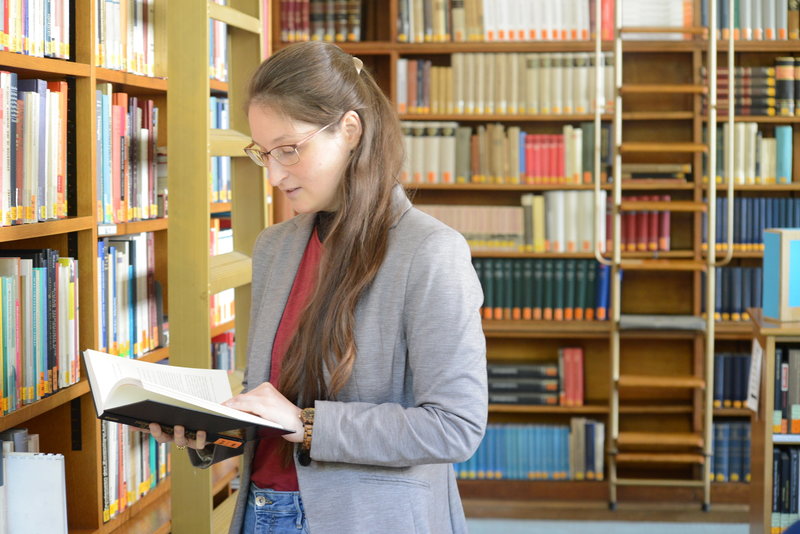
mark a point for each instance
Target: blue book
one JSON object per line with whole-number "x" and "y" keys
{"x": 523, "y": 169}
{"x": 589, "y": 428}
{"x": 725, "y": 275}
{"x": 756, "y": 296}
{"x": 783, "y": 135}
{"x": 718, "y": 293}
{"x": 603, "y": 287}
{"x": 734, "y": 452}
{"x": 736, "y": 293}
{"x": 762, "y": 222}
{"x": 13, "y": 142}
{"x": 746, "y": 454}
{"x": 722, "y": 463}
{"x": 719, "y": 380}
{"x": 795, "y": 212}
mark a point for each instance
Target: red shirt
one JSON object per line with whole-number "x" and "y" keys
{"x": 268, "y": 469}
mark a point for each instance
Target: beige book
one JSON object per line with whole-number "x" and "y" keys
{"x": 458, "y": 24}
{"x": 522, "y": 80}
{"x": 447, "y": 151}
{"x": 463, "y": 154}
{"x": 500, "y": 83}
{"x": 538, "y": 224}
{"x": 545, "y": 85}
{"x": 568, "y": 84}
{"x": 447, "y": 94}
{"x": 487, "y": 78}
{"x": 469, "y": 85}
{"x": 533, "y": 85}
{"x": 512, "y": 140}
{"x": 557, "y": 85}
{"x": 581, "y": 84}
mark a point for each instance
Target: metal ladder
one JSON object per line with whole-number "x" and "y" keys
{"x": 661, "y": 448}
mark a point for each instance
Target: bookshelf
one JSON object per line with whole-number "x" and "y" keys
{"x": 195, "y": 276}
{"x": 767, "y": 334}
{"x": 680, "y": 118}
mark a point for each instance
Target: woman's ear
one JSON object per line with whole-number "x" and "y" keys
{"x": 351, "y": 129}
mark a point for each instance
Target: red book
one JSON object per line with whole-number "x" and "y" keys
{"x": 642, "y": 218}
{"x": 664, "y": 227}
{"x": 652, "y": 222}
{"x": 629, "y": 227}
{"x": 530, "y": 160}
{"x": 561, "y": 177}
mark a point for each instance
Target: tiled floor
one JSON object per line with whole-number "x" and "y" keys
{"x": 509, "y": 526}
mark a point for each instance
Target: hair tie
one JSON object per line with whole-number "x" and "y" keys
{"x": 358, "y": 64}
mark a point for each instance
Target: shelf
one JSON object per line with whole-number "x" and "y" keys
{"x": 662, "y": 382}
{"x": 498, "y": 117}
{"x": 740, "y": 45}
{"x": 667, "y": 439}
{"x": 655, "y": 409}
{"x": 42, "y": 229}
{"x": 234, "y": 18}
{"x": 642, "y": 147}
{"x": 222, "y": 328}
{"x": 218, "y": 85}
{"x": 156, "y": 355}
{"x": 673, "y": 254}
{"x": 662, "y": 265}
{"x": 220, "y": 207}
{"x": 771, "y": 328}
{"x": 547, "y": 329}
{"x": 786, "y": 439}
{"x": 133, "y": 227}
{"x": 150, "y": 514}
{"x": 762, "y": 188}
{"x": 733, "y": 330}
{"x": 131, "y": 82}
{"x": 227, "y": 142}
{"x": 641, "y": 184}
{"x": 661, "y": 89}
{"x": 223, "y": 514}
{"x": 732, "y": 412}
{"x": 42, "y": 66}
{"x": 563, "y": 410}
{"x": 233, "y": 269}
{"x": 723, "y": 117}
{"x": 660, "y": 458}
{"x": 29, "y": 411}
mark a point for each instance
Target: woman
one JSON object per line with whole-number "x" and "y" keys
{"x": 365, "y": 336}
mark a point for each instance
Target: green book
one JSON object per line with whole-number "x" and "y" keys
{"x": 488, "y": 288}
{"x": 591, "y": 291}
{"x": 538, "y": 289}
{"x": 549, "y": 290}
{"x": 527, "y": 288}
{"x": 508, "y": 288}
{"x": 517, "y": 290}
{"x": 559, "y": 282}
{"x": 569, "y": 289}
{"x": 580, "y": 289}
{"x": 499, "y": 288}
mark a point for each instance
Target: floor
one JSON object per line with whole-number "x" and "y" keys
{"x": 515, "y": 526}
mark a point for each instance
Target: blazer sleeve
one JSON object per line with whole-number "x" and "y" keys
{"x": 446, "y": 364}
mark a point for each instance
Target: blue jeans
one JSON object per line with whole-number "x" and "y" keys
{"x": 274, "y": 512}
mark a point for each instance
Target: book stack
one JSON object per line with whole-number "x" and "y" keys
{"x": 127, "y": 133}
{"x": 538, "y": 452}
{"x": 557, "y": 383}
{"x": 543, "y": 289}
{"x": 320, "y": 20}
{"x": 752, "y": 215}
{"x": 786, "y": 414}
{"x": 449, "y": 153}
{"x": 220, "y": 165}
{"x": 756, "y": 20}
{"x": 785, "y": 484}
{"x": 731, "y": 459}
{"x": 757, "y": 159}
{"x": 125, "y": 36}
{"x": 223, "y": 306}
{"x": 731, "y": 379}
{"x": 503, "y": 84}
{"x": 759, "y": 90}
{"x": 130, "y": 318}
{"x": 643, "y": 230}
{"x": 218, "y": 48}
{"x": 37, "y": 28}
{"x": 223, "y": 351}
{"x": 737, "y": 290}
{"x": 33, "y": 126}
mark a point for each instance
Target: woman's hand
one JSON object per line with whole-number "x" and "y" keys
{"x": 178, "y": 436}
{"x": 267, "y": 402}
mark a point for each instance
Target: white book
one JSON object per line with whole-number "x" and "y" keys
{"x": 432, "y": 152}
{"x": 417, "y": 152}
{"x": 577, "y": 156}
{"x": 513, "y": 86}
{"x": 36, "y": 493}
{"x": 402, "y": 85}
{"x": 554, "y": 227}
{"x": 751, "y": 139}
{"x": 132, "y": 391}
{"x": 5, "y": 168}
{"x": 585, "y": 218}
{"x": 568, "y": 84}
{"x": 459, "y": 89}
{"x": 478, "y": 80}
{"x": 570, "y": 218}
{"x": 489, "y": 9}
{"x": 768, "y": 19}
{"x": 557, "y": 85}
{"x": 448, "y": 152}
{"x": 489, "y": 82}
{"x": 746, "y": 19}
{"x": 469, "y": 83}
{"x": 501, "y": 83}
{"x": 740, "y": 133}
{"x": 781, "y": 19}
{"x": 566, "y": 134}
{"x": 522, "y": 81}
{"x": 755, "y": 19}
{"x": 581, "y": 86}
{"x": 545, "y": 84}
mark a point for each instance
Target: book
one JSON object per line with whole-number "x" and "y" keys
{"x": 36, "y": 493}
{"x": 137, "y": 393}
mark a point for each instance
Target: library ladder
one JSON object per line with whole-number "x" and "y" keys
{"x": 195, "y": 276}
{"x": 686, "y": 451}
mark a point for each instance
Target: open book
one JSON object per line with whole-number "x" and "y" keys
{"x": 138, "y": 393}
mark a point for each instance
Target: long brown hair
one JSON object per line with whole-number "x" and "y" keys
{"x": 318, "y": 83}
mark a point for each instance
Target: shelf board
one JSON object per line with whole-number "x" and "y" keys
{"x": 673, "y": 254}
{"x": 225, "y": 271}
{"x": 223, "y": 514}
{"x": 660, "y": 409}
{"x": 42, "y": 229}
{"x": 786, "y": 439}
{"x": 156, "y": 355}
{"x": 504, "y": 117}
{"x": 732, "y": 412}
{"x": 151, "y": 513}
{"x": 220, "y": 207}
{"x": 45, "y": 67}
{"x": 753, "y": 46}
{"x": 530, "y": 409}
{"x": 663, "y": 205}
{"x": 547, "y": 329}
{"x": 234, "y": 18}
{"x": 132, "y": 82}
{"x": 37, "y": 408}
{"x": 643, "y": 184}
{"x": 218, "y": 85}
{"x": 222, "y": 328}
{"x": 723, "y": 117}
{"x": 770, "y": 328}
{"x": 763, "y": 188}
{"x": 733, "y": 329}
{"x": 655, "y": 184}
{"x": 132, "y": 227}
{"x": 227, "y": 142}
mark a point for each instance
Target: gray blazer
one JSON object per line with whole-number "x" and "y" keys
{"x": 417, "y": 399}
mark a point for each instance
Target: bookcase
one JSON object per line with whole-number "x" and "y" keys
{"x": 768, "y": 335}
{"x": 675, "y": 115}
{"x": 195, "y": 275}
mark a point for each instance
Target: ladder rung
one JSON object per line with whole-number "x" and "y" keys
{"x": 696, "y": 30}
{"x": 662, "y": 265}
{"x": 665, "y": 382}
{"x": 652, "y": 89}
{"x": 234, "y": 17}
{"x": 659, "y": 482}
{"x": 227, "y": 143}
{"x": 672, "y": 205}
{"x": 662, "y": 321}
{"x": 233, "y": 269}
{"x": 660, "y": 147}
{"x": 660, "y": 458}
{"x": 667, "y": 439}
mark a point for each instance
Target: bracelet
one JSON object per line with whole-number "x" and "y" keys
{"x": 307, "y": 417}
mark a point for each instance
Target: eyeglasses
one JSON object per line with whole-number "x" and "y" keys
{"x": 286, "y": 155}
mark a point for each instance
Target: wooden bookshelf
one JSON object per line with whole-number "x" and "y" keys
{"x": 661, "y": 122}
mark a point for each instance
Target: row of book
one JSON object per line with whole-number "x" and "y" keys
{"x": 321, "y": 20}
{"x": 737, "y": 289}
{"x": 556, "y": 383}
{"x": 127, "y": 135}
{"x": 36, "y": 27}
{"x": 538, "y": 452}
{"x": 33, "y": 493}
{"x": 785, "y": 488}
{"x": 756, "y": 159}
{"x": 786, "y": 409}
{"x": 755, "y": 19}
{"x": 38, "y": 325}
{"x": 130, "y": 318}
{"x": 543, "y": 289}
{"x": 223, "y": 351}
{"x": 33, "y": 136}
{"x": 449, "y": 153}
{"x": 758, "y": 90}
{"x": 504, "y": 84}
{"x": 731, "y": 459}
{"x": 218, "y": 47}
{"x": 220, "y": 165}
{"x": 125, "y": 35}
{"x": 731, "y": 378}
{"x": 751, "y": 216}
{"x": 222, "y": 304}
{"x": 133, "y": 464}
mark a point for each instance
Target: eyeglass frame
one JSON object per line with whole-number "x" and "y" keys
{"x": 259, "y": 157}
